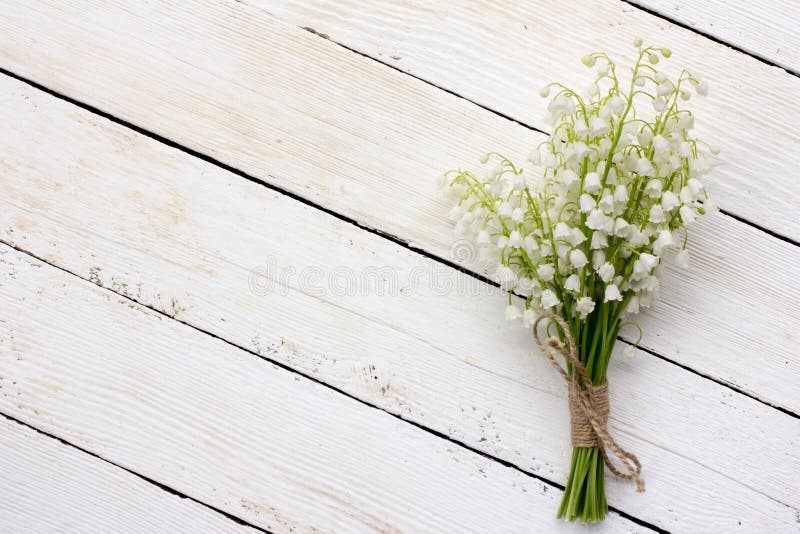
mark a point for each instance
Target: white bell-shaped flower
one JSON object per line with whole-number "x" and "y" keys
{"x": 568, "y": 177}
{"x": 621, "y": 227}
{"x": 653, "y": 188}
{"x": 660, "y": 144}
{"x": 546, "y": 271}
{"x": 606, "y": 272}
{"x": 656, "y": 214}
{"x": 682, "y": 258}
{"x": 621, "y": 193}
{"x": 515, "y": 239}
{"x": 612, "y": 293}
{"x": 644, "y": 167}
{"x": 598, "y": 126}
{"x": 599, "y": 241}
{"x": 606, "y": 202}
{"x": 505, "y": 276}
{"x": 591, "y": 183}
{"x": 577, "y": 258}
{"x": 572, "y": 283}
{"x": 687, "y": 214}
{"x": 663, "y": 241}
{"x": 584, "y": 307}
{"x": 633, "y": 305}
{"x": 598, "y": 259}
{"x": 597, "y": 220}
{"x": 562, "y": 231}
{"x": 530, "y": 243}
{"x": 587, "y": 203}
{"x": 669, "y": 201}
{"x": 549, "y": 299}
{"x": 512, "y": 312}
{"x": 528, "y": 318}
{"x": 616, "y": 104}
{"x": 576, "y": 237}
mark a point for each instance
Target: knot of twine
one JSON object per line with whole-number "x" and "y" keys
{"x": 588, "y": 404}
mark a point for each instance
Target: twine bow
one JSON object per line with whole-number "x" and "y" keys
{"x": 588, "y": 404}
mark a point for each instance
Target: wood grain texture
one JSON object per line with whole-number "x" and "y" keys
{"x": 46, "y": 486}
{"x": 500, "y": 55}
{"x": 223, "y": 426}
{"x": 765, "y": 28}
{"x": 371, "y": 151}
{"x": 182, "y": 236}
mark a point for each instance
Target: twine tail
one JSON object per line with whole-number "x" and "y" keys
{"x": 588, "y": 404}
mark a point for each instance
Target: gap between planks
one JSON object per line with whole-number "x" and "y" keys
{"x": 162, "y": 315}
{"x": 156, "y": 483}
{"x": 306, "y": 376}
{"x": 530, "y": 127}
{"x": 636, "y": 5}
{"x": 394, "y": 239}
{"x": 37, "y": 100}
{"x": 449, "y": 57}
{"x": 249, "y": 41}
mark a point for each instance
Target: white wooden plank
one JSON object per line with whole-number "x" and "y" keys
{"x": 764, "y": 28}
{"x": 501, "y": 56}
{"x": 228, "y": 101}
{"x": 229, "y": 429}
{"x": 181, "y": 236}
{"x": 372, "y": 151}
{"x": 46, "y": 486}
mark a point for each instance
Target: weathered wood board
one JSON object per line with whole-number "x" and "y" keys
{"x": 155, "y": 225}
{"x": 225, "y": 427}
{"x": 765, "y": 29}
{"x": 360, "y": 149}
{"x": 48, "y": 486}
{"x": 227, "y": 294}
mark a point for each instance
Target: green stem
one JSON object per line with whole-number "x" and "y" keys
{"x": 584, "y": 496}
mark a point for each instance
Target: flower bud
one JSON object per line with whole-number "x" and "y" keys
{"x": 544, "y": 92}
{"x": 682, "y": 258}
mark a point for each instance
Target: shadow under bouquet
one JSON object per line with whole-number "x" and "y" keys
{"x": 579, "y": 242}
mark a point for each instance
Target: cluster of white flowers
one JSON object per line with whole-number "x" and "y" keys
{"x": 618, "y": 181}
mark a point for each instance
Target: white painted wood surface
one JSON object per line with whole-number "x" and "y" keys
{"x": 149, "y": 222}
{"x": 500, "y": 56}
{"x": 765, "y": 28}
{"x": 173, "y": 387}
{"x": 482, "y": 53}
{"x": 231, "y": 430}
{"x": 46, "y": 486}
{"x": 383, "y": 141}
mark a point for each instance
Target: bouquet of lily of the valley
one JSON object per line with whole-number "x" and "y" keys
{"x": 581, "y": 240}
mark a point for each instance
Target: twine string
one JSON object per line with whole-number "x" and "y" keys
{"x": 588, "y": 404}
